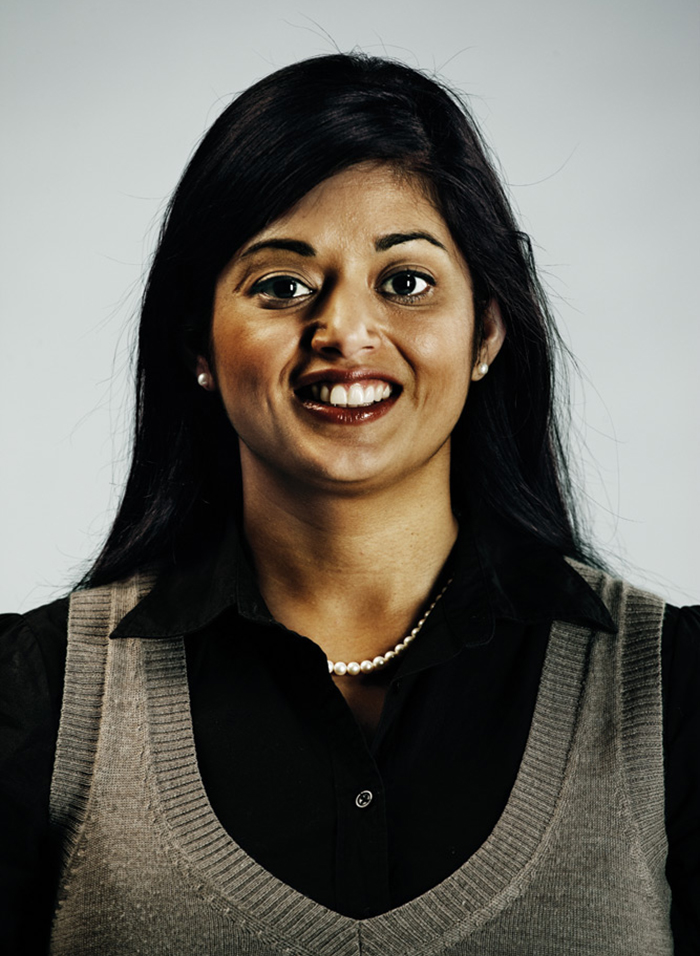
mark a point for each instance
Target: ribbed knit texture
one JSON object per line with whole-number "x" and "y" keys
{"x": 574, "y": 866}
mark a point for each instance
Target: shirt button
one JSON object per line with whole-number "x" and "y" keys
{"x": 363, "y": 799}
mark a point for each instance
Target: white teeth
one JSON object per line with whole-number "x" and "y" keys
{"x": 338, "y": 395}
{"x": 354, "y": 396}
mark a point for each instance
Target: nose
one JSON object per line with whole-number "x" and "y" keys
{"x": 344, "y": 326}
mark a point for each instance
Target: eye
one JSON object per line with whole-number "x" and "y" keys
{"x": 407, "y": 284}
{"x": 281, "y": 287}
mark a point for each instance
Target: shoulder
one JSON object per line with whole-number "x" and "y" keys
{"x": 680, "y": 663}
{"x": 682, "y": 629}
{"x": 637, "y": 612}
{"x": 33, "y": 651}
{"x": 52, "y": 617}
{"x": 677, "y": 627}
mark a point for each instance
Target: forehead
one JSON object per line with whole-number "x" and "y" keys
{"x": 362, "y": 202}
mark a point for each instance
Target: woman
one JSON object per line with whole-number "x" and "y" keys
{"x": 345, "y": 677}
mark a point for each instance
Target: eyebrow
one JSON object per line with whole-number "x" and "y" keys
{"x": 396, "y": 238}
{"x": 304, "y": 249}
{"x": 291, "y": 245}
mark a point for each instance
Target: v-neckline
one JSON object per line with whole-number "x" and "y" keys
{"x": 470, "y": 895}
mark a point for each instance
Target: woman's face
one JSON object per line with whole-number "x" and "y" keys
{"x": 342, "y": 336}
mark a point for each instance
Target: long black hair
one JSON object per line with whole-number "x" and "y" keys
{"x": 270, "y": 147}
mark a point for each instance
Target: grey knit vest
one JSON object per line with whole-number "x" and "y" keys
{"x": 575, "y": 865}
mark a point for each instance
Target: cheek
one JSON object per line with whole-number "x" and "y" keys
{"x": 241, "y": 357}
{"x": 251, "y": 365}
{"x": 446, "y": 356}
{"x": 233, "y": 360}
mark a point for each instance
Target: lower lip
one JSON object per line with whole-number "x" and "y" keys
{"x": 347, "y": 415}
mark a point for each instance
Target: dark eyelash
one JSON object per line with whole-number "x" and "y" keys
{"x": 412, "y": 272}
{"x": 259, "y": 286}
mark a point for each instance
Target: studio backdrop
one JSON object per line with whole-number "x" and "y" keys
{"x": 593, "y": 110}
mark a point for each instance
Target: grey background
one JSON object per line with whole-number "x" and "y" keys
{"x": 593, "y": 110}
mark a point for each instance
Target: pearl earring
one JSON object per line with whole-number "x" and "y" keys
{"x": 203, "y": 379}
{"x": 483, "y": 368}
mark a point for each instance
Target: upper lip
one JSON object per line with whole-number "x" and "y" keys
{"x": 344, "y": 376}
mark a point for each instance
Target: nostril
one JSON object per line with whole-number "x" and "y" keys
{"x": 343, "y": 337}
{"x": 330, "y": 350}
{"x": 345, "y": 347}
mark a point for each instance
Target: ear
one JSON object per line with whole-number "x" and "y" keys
{"x": 494, "y": 332}
{"x": 204, "y": 374}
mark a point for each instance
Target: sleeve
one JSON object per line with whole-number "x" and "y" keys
{"x": 680, "y": 661}
{"x": 31, "y": 683}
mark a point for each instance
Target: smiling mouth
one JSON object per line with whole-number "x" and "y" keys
{"x": 357, "y": 400}
{"x": 356, "y": 395}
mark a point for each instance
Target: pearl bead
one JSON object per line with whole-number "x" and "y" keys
{"x": 367, "y": 666}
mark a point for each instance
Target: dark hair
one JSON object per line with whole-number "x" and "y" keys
{"x": 270, "y": 147}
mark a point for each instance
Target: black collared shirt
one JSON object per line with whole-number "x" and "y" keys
{"x": 358, "y": 825}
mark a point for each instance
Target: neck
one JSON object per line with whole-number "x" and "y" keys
{"x": 355, "y": 571}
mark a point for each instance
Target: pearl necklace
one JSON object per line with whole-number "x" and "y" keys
{"x": 353, "y": 669}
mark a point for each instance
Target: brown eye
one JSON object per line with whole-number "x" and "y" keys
{"x": 281, "y": 287}
{"x": 406, "y": 284}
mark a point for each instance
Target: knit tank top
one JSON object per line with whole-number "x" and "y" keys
{"x": 575, "y": 864}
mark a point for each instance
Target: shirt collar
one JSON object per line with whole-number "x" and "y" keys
{"x": 496, "y": 574}
{"x": 193, "y": 591}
